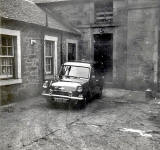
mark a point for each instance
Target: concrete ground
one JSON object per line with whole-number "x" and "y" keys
{"x": 120, "y": 120}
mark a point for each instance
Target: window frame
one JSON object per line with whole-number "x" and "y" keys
{"x": 68, "y": 41}
{"x": 50, "y": 57}
{"x": 17, "y": 78}
{"x": 7, "y": 57}
{"x": 54, "y": 55}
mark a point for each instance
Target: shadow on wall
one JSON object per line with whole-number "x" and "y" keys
{"x": 140, "y": 84}
{"x": 12, "y": 93}
{"x": 6, "y": 96}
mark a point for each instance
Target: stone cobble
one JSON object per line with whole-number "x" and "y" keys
{"x": 120, "y": 120}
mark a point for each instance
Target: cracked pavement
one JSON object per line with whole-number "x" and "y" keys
{"x": 120, "y": 120}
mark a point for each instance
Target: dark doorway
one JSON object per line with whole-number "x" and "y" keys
{"x": 71, "y": 51}
{"x": 103, "y": 54}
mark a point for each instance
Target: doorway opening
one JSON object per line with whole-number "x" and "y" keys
{"x": 103, "y": 54}
{"x": 71, "y": 51}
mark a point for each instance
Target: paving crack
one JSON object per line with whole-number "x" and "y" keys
{"x": 40, "y": 138}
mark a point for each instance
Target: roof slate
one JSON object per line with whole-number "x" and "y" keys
{"x": 28, "y": 11}
{"x": 56, "y": 1}
{"x": 49, "y": 1}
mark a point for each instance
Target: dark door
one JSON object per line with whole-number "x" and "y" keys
{"x": 103, "y": 54}
{"x": 71, "y": 51}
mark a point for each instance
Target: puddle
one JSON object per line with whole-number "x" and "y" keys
{"x": 140, "y": 132}
{"x": 158, "y": 103}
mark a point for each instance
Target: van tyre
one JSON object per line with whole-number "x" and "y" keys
{"x": 99, "y": 95}
{"x": 81, "y": 104}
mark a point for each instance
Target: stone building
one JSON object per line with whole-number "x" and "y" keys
{"x": 33, "y": 44}
{"x": 122, "y": 36}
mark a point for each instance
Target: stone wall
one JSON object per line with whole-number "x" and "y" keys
{"x": 119, "y": 43}
{"x": 32, "y": 59}
{"x": 135, "y": 38}
{"x": 80, "y": 14}
{"x": 67, "y": 36}
{"x": 77, "y": 13}
{"x": 142, "y": 44}
{"x": 159, "y": 59}
{"x": 136, "y": 43}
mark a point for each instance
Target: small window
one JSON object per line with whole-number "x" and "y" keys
{"x": 7, "y": 57}
{"x": 71, "y": 51}
{"x": 49, "y": 51}
{"x": 104, "y": 11}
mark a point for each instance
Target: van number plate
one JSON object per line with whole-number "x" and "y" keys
{"x": 60, "y": 100}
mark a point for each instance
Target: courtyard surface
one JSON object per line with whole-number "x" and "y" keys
{"x": 120, "y": 120}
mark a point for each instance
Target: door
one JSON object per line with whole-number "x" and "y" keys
{"x": 71, "y": 51}
{"x": 103, "y": 54}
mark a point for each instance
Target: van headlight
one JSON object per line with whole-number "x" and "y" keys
{"x": 45, "y": 84}
{"x": 79, "y": 89}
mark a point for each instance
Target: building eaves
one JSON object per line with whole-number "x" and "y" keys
{"x": 59, "y": 1}
{"x": 61, "y": 19}
{"x": 48, "y": 1}
{"x": 29, "y": 12}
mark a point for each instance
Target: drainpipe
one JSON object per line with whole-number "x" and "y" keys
{"x": 46, "y": 20}
{"x": 61, "y": 47}
{"x": 42, "y": 54}
{"x": 158, "y": 74}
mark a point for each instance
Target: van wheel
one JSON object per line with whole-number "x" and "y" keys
{"x": 99, "y": 95}
{"x": 81, "y": 104}
{"x": 88, "y": 97}
{"x": 49, "y": 101}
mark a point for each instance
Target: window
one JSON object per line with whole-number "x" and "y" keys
{"x": 104, "y": 11}
{"x": 75, "y": 72}
{"x": 50, "y": 55}
{"x": 7, "y": 46}
{"x": 10, "y": 57}
{"x": 71, "y": 50}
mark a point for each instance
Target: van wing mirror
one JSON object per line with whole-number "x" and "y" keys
{"x": 93, "y": 76}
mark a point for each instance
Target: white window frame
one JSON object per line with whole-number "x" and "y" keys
{"x": 51, "y": 57}
{"x": 18, "y": 56}
{"x": 55, "y": 40}
{"x": 73, "y": 42}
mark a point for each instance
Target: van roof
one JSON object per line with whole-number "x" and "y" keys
{"x": 80, "y": 64}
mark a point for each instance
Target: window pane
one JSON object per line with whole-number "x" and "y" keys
{"x": 3, "y": 61}
{"x": 0, "y": 50}
{"x": 48, "y": 61}
{"x": 4, "y": 70}
{"x": 6, "y": 46}
{"x": 0, "y": 70}
{"x": 10, "y": 51}
{"x": 9, "y": 41}
{"x": 4, "y": 41}
{"x": 75, "y": 71}
{"x": 11, "y": 62}
{"x": 6, "y": 67}
{"x": 9, "y": 70}
{"x": 4, "y": 50}
{"x": 48, "y": 48}
{"x": 49, "y": 65}
{"x": 48, "y": 68}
